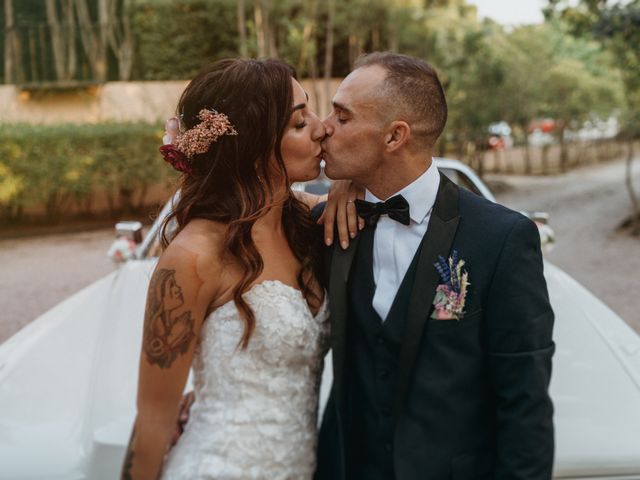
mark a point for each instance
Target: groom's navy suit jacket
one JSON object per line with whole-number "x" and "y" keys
{"x": 470, "y": 397}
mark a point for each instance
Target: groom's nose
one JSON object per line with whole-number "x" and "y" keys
{"x": 328, "y": 127}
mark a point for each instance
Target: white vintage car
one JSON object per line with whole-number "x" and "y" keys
{"x": 68, "y": 380}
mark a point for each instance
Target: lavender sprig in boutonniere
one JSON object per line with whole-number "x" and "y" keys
{"x": 451, "y": 293}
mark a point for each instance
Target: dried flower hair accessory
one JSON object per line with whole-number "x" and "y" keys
{"x": 180, "y": 147}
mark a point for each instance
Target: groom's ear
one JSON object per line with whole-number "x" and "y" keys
{"x": 397, "y": 135}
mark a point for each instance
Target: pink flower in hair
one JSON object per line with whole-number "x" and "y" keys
{"x": 179, "y": 148}
{"x": 198, "y": 139}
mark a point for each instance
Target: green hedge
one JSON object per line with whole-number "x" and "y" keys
{"x": 54, "y": 167}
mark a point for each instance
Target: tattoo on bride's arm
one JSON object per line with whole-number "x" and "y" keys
{"x": 167, "y": 333}
{"x": 128, "y": 459}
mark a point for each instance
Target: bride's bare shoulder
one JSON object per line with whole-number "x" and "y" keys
{"x": 198, "y": 247}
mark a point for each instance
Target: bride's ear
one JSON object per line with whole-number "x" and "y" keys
{"x": 397, "y": 135}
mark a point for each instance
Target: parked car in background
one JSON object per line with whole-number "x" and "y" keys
{"x": 68, "y": 380}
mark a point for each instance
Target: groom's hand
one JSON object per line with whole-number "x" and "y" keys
{"x": 340, "y": 211}
{"x": 183, "y": 416}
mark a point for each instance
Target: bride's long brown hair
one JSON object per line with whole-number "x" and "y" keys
{"x": 233, "y": 183}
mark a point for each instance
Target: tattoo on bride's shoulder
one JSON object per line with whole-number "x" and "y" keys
{"x": 168, "y": 330}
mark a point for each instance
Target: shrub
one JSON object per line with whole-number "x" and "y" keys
{"x": 53, "y": 167}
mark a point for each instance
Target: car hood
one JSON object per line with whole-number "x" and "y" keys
{"x": 69, "y": 372}
{"x": 595, "y": 384}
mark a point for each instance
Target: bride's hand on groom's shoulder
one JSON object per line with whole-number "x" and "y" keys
{"x": 340, "y": 212}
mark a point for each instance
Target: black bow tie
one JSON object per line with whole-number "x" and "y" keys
{"x": 396, "y": 208}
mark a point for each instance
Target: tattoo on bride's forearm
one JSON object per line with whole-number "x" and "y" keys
{"x": 167, "y": 333}
{"x": 128, "y": 459}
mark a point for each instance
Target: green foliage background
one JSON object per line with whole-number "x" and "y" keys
{"x": 74, "y": 162}
{"x": 175, "y": 38}
{"x": 490, "y": 73}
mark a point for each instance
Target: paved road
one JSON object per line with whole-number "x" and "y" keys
{"x": 585, "y": 207}
{"x": 37, "y": 273}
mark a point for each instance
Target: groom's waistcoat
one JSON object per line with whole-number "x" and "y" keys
{"x": 374, "y": 358}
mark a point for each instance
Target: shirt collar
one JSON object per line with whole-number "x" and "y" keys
{"x": 420, "y": 194}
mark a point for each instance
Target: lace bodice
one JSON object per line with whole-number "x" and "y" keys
{"x": 255, "y": 413}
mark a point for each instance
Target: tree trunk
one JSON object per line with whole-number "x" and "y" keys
{"x": 564, "y": 153}
{"x": 328, "y": 53}
{"x": 258, "y": 15}
{"x": 272, "y": 48}
{"x": 375, "y": 37}
{"x": 57, "y": 45}
{"x": 63, "y": 43}
{"x": 479, "y": 161}
{"x": 309, "y": 27}
{"x": 354, "y": 48}
{"x": 545, "y": 158}
{"x": 120, "y": 36}
{"x": 103, "y": 27}
{"x": 392, "y": 30}
{"x": 321, "y": 106}
{"x": 94, "y": 42}
{"x": 527, "y": 149}
{"x": 72, "y": 59}
{"x": 242, "y": 29}
{"x": 635, "y": 203}
{"x": 9, "y": 41}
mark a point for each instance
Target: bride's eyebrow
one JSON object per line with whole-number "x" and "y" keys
{"x": 300, "y": 106}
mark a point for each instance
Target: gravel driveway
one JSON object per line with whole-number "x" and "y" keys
{"x": 37, "y": 273}
{"x": 585, "y": 206}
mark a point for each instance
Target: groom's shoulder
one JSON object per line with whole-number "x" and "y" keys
{"x": 491, "y": 216}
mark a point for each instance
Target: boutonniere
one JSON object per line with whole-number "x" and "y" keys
{"x": 451, "y": 293}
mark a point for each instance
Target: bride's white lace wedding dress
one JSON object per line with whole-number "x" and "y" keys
{"x": 255, "y": 414}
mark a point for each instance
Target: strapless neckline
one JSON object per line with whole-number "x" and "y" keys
{"x": 293, "y": 291}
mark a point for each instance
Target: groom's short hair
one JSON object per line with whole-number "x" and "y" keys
{"x": 412, "y": 92}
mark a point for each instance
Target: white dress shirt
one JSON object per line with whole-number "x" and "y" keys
{"x": 395, "y": 244}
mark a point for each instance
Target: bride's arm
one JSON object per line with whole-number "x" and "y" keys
{"x": 177, "y": 302}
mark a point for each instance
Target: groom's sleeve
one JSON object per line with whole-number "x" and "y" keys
{"x": 520, "y": 346}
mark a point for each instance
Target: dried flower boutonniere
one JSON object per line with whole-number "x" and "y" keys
{"x": 451, "y": 293}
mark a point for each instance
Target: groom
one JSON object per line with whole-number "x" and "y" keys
{"x": 441, "y": 323}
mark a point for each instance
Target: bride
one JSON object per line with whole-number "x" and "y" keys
{"x": 236, "y": 293}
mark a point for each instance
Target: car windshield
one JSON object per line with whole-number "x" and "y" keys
{"x": 461, "y": 180}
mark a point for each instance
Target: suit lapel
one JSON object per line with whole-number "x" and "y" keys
{"x": 437, "y": 241}
{"x": 339, "y": 274}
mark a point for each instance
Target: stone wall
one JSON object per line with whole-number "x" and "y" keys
{"x": 114, "y": 101}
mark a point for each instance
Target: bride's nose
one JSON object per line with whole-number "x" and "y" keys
{"x": 319, "y": 130}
